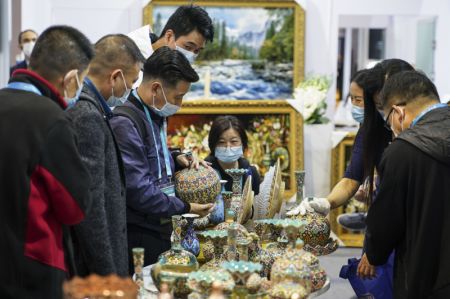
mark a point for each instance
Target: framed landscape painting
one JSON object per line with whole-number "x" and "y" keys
{"x": 257, "y": 52}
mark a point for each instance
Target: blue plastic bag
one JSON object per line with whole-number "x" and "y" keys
{"x": 379, "y": 287}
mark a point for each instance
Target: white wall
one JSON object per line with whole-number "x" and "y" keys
{"x": 95, "y": 18}
{"x": 323, "y": 18}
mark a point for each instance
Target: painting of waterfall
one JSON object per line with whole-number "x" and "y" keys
{"x": 251, "y": 56}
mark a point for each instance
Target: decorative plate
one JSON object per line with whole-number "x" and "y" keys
{"x": 197, "y": 185}
{"x": 247, "y": 201}
{"x": 261, "y": 203}
{"x": 275, "y": 192}
{"x": 282, "y": 154}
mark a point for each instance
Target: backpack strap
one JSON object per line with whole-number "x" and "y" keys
{"x": 133, "y": 115}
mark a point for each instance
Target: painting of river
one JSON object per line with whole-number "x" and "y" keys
{"x": 250, "y": 58}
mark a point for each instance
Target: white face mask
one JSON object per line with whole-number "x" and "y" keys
{"x": 168, "y": 109}
{"x": 28, "y": 48}
{"x": 72, "y": 101}
{"x": 114, "y": 101}
{"x": 392, "y": 127}
{"x": 190, "y": 56}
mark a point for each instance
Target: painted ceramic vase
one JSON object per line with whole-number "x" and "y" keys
{"x": 229, "y": 220}
{"x": 202, "y": 281}
{"x": 261, "y": 256}
{"x": 190, "y": 241}
{"x": 217, "y": 215}
{"x": 300, "y": 179}
{"x": 241, "y": 271}
{"x": 316, "y": 230}
{"x": 197, "y": 186}
{"x": 318, "y": 274}
{"x": 138, "y": 261}
{"x": 227, "y": 197}
{"x": 288, "y": 290}
{"x": 219, "y": 240}
{"x": 236, "y": 175}
{"x": 290, "y": 266}
{"x": 242, "y": 249}
{"x": 175, "y": 264}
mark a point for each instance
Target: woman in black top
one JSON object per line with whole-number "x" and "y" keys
{"x": 227, "y": 141}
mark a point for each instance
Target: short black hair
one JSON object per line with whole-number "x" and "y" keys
{"x": 169, "y": 66}
{"x": 188, "y": 18}
{"x": 115, "y": 51}
{"x": 409, "y": 86}
{"x": 26, "y": 30}
{"x": 60, "y": 49}
{"x": 222, "y": 124}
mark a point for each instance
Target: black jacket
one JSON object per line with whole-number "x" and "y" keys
{"x": 411, "y": 213}
{"x": 43, "y": 186}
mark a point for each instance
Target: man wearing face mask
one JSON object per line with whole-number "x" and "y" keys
{"x": 140, "y": 127}
{"x": 187, "y": 30}
{"x": 44, "y": 184}
{"x": 27, "y": 40}
{"x": 411, "y": 212}
{"x": 100, "y": 241}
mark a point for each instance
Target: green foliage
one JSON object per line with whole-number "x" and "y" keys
{"x": 279, "y": 46}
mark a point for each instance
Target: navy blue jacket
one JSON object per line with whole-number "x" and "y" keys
{"x": 147, "y": 206}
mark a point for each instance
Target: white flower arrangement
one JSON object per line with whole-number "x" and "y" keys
{"x": 312, "y": 94}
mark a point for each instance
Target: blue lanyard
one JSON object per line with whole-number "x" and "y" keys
{"x": 25, "y": 87}
{"x": 436, "y": 106}
{"x": 163, "y": 135}
{"x": 94, "y": 89}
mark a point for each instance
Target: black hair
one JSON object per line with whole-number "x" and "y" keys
{"x": 60, "y": 49}
{"x": 169, "y": 66}
{"x": 115, "y": 51}
{"x": 222, "y": 124}
{"x": 21, "y": 33}
{"x": 188, "y": 18}
{"x": 375, "y": 136}
{"x": 409, "y": 86}
{"x": 359, "y": 77}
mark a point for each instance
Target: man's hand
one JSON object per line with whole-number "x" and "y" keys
{"x": 188, "y": 160}
{"x": 365, "y": 269}
{"x": 201, "y": 209}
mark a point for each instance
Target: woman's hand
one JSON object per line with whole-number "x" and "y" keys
{"x": 188, "y": 160}
{"x": 365, "y": 269}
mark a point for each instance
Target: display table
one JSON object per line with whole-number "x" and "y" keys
{"x": 151, "y": 292}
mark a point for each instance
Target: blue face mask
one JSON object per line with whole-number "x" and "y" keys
{"x": 228, "y": 154}
{"x": 358, "y": 113}
{"x": 168, "y": 109}
{"x": 72, "y": 101}
{"x": 114, "y": 101}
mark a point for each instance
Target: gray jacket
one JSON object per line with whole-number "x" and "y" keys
{"x": 100, "y": 241}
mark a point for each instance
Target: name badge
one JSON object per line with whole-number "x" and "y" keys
{"x": 169, "y": 190}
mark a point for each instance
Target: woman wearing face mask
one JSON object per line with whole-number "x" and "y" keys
{"x": 227, "y": 141}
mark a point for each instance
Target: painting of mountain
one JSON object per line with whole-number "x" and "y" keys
{"x": 251, "y": 56}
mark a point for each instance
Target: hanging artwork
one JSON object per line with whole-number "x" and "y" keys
{"x": 257, "y": 52}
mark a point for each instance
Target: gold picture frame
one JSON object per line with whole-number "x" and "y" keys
{"x": 299, "y": 24}
{"x": 340, "y": 158}
{"x": 259, "y": 109}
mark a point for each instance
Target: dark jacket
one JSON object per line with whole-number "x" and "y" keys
{"x": 243, "y": 163}
{"x": 18, "y": 66}
{"x": 44, "y": 185}
{"x": 147, "y": 206}
{"x": 411, "y": 212}
{"x": 100, "y": 241}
